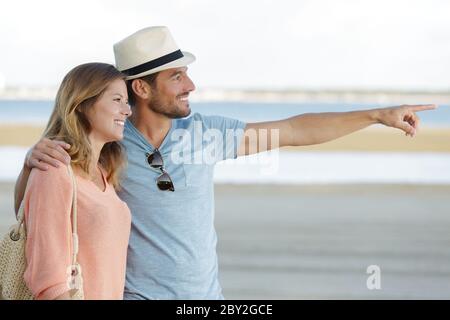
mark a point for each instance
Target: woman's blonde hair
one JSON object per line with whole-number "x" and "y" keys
{"x": 78, "y": 92}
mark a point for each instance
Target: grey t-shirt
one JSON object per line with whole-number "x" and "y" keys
{"x": 172, "y": 249}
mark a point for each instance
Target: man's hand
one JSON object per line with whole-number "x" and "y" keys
{"x": 47, "y": 152}
{"x": 403, "y": 117}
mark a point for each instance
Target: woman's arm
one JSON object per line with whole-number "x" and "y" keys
{"x": 45, "y": 152}
{"x": 47, "y": 208}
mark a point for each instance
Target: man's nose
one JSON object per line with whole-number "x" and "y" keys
{"x": 190, "y": 86}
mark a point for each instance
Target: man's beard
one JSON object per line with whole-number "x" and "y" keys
{"x": 168, "y": 110}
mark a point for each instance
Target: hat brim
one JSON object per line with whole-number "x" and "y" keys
{"x": 182, "y": 62}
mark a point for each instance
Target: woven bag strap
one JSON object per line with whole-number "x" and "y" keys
{"x": 74, "y": 217}
{"x": 20, "y": 219}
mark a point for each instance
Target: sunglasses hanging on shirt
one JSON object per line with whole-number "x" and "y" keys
{"x": 164, "y": 182}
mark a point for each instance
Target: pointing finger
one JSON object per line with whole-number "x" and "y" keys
{"x": 422, "y": 107}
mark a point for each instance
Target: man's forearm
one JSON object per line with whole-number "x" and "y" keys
{"x": 20, "y": 187}
{"x": 315, "y": 128}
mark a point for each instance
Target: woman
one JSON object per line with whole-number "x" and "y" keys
{"x": 90, "y": 111}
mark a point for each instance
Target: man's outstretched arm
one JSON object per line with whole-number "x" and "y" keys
{"x": 45, "y": 152}
{"x": 316, "y": 128}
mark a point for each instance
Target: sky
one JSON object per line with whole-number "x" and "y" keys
{"x": 253, "y": 44}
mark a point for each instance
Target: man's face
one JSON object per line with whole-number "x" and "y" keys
{"x": 171, "y": 92}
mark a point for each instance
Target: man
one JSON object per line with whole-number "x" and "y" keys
{"x": 172, "y": 250}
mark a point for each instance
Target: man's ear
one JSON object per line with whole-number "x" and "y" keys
{"x": 141, "y": 89}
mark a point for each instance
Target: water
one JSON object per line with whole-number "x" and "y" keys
{"x": 38, "y": 112}
{"x": 254, "y": 112}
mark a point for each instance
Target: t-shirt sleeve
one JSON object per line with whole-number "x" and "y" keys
{"x": 47, "y": 208}
{"x": 227, "y": 134}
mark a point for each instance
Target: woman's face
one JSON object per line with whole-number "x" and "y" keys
{"x": 108, "y": 114}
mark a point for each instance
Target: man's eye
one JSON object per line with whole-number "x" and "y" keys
{"x": 117, "y": 99}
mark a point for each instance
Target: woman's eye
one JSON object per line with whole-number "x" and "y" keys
{"x": 117, "y": 99}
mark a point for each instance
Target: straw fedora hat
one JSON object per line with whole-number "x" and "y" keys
{"x": 148, "y": 51}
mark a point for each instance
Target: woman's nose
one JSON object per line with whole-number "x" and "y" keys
{"x": 127, "y": 110}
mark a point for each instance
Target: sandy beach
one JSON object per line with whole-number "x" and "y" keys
{"x": 370, "y": 139}
{"x": 316, "y": 242}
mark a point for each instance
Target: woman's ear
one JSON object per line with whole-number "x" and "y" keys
{"x": 141, "y": 89}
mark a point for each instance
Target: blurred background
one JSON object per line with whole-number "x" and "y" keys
{"x": 311, "y": 228}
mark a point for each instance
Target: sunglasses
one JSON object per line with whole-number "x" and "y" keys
{"x": 164, "y": 182}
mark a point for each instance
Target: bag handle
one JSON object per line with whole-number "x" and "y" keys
{"x": 15, "y": 232}
{"x": 74, "y": 217}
